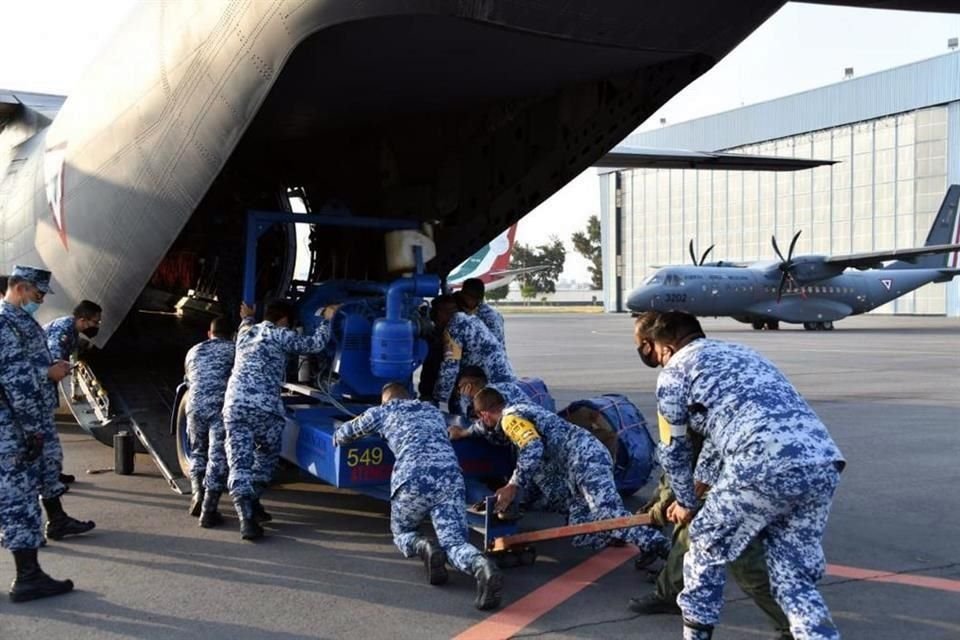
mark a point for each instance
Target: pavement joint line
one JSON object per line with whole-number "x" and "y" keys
{"x": 856, "y": 574}
{"x": 509, "y": 621}
{"x": 520, "y": 614}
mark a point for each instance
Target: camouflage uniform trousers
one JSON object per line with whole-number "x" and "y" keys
{"x": 749, "y": 570}
{"x": 20, "y": 518}
{"x": 788, "y": 513}
{"x": 51, "y": 461}
{"x": 208, "y": 456}
{"x": 253, "y": 446}
{"x": 442, "y": 497}
{"x": 594, "y": 496}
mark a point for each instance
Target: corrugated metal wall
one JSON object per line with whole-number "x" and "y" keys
{"x": 897, "y": 153}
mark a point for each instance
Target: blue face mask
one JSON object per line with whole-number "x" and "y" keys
{"x": 30, "y": 307}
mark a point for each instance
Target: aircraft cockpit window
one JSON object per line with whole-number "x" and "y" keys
{"x": 673, "y": 280}
{"x": 654, "y": 279}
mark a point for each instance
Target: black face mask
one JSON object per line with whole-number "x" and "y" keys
{"x": 649, "y": 357}
{"x": 91, "y": 332}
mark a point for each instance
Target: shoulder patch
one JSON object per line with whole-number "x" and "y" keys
{"x": 520, "y": 431}
{"x": 664, "y": 428}
{"x": 451, "y": 348}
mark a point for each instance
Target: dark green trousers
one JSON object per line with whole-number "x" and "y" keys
{"x": 749, "y": 571}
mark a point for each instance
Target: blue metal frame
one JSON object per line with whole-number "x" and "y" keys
{"x": 258, "y": 221}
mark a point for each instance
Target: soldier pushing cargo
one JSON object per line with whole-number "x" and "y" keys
{"x": 778, "y": 471}
{"x": 426, "y": 482}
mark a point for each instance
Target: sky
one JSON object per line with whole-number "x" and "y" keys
{"x": 46, "y": 44}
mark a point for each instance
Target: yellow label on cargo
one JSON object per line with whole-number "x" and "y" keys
{"x": 521, "y": 432}
{"x": 451, "y": 348}
{"x": 664, "y": 429}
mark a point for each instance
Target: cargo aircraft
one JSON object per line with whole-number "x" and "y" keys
{"x": 454, "y": 118}
{"x": 809, "y": 289}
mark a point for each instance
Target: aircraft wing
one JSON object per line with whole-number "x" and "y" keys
{"x": 517, "y": 272}
{"x": 43, "y": 103}
{"x": 875, "y": 260}
{"x": 626, "y": 156}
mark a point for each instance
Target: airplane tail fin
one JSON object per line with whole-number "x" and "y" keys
{"x": 944, "y": 230}
{"x": 502, "y": 263}
{"x": 491, "y": 259}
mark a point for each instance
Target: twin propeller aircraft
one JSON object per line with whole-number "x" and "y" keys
{"x": 813, "y": 290}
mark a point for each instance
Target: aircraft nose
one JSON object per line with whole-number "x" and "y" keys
{"x": 639, "y": 300}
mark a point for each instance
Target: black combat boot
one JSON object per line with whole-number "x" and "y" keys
{"x": 31, "y": 582}
{"x": 652, "y": 604}
{"x": 209, "y": 514}
{"x": 259, "y": 513}
{"x": 196, "y": 498}
{"x": 250, "y": 529}
{"x": 434, "y": 560}
{"x": 697, "y": 631}
{"x": 648, "y": 556}
{"x": 67, "y": 478}
{"x": 59, "y": 524}
{"x": 489, "y": 583}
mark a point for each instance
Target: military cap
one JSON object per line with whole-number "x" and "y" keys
{"x": 40, "y": 278}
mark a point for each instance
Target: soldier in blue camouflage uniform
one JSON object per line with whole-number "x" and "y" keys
{"x": 426, "y": 481}
{"x": 59, "y": 524}
{"x": 206, "y": 371}
{"x": 23, "y": 413}
{"x": 749, "y": 570}
{"x": 466, "y": 341}
{"x": 63, "y": 339}
{"x": 579, "y": 468}
{"x": 779, "y": 470}
{"x": 472, "y": 380}
{"x": 253, "y": 413}
{"x": 471, "y": 293}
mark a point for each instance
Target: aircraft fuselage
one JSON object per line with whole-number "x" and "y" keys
{"x": 750, "y": 294}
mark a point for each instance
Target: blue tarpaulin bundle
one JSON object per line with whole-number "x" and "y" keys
{"x": 537, "y": 390}
{"x": 620, "y": 425}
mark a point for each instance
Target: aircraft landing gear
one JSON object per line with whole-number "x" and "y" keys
{"x": 818, "y": 326}
{"x": 773, "y": 325}
{"x": 770, "y": 325}
{"x": 757, "y": 325}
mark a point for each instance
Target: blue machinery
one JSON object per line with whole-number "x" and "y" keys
{"x": 375, "y": 340}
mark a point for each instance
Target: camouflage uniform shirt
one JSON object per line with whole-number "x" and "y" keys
{"x": 207, "y": 369}
{"x": 467, "y": 341}
{"x": 748, "y": 411}
{"x": 260, "y": 365}
{"x": 493, "y": 320}
{"x": 416, "y": 433}
{"x": 62, "y": 337}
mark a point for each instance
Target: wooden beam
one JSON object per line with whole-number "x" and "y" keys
{"x": 625, "y": 522}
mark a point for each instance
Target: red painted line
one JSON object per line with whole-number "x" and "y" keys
{"x": 870, "y": 575}
{"x": 508, "y": 621}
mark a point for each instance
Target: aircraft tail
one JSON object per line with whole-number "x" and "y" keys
{"x": 944, "y": 230}
{"x": 488, "y": 261}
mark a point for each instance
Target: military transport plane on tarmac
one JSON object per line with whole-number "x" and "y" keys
{"x": 454, "y": 119}
{"x": 809, "y": 289}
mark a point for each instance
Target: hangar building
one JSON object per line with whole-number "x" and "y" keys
{"x": 895, "y": 133}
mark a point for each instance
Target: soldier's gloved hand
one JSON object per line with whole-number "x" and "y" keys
{"x": 33, "y": 447}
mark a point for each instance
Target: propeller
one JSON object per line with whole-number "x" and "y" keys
{"x": 786, "y": 264}
{"x": 703, "y": 258}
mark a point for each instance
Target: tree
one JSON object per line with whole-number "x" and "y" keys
{"x": 500, "y": 293}
{"x": 550, "y": 257}
{"x": 588, "y": 245}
